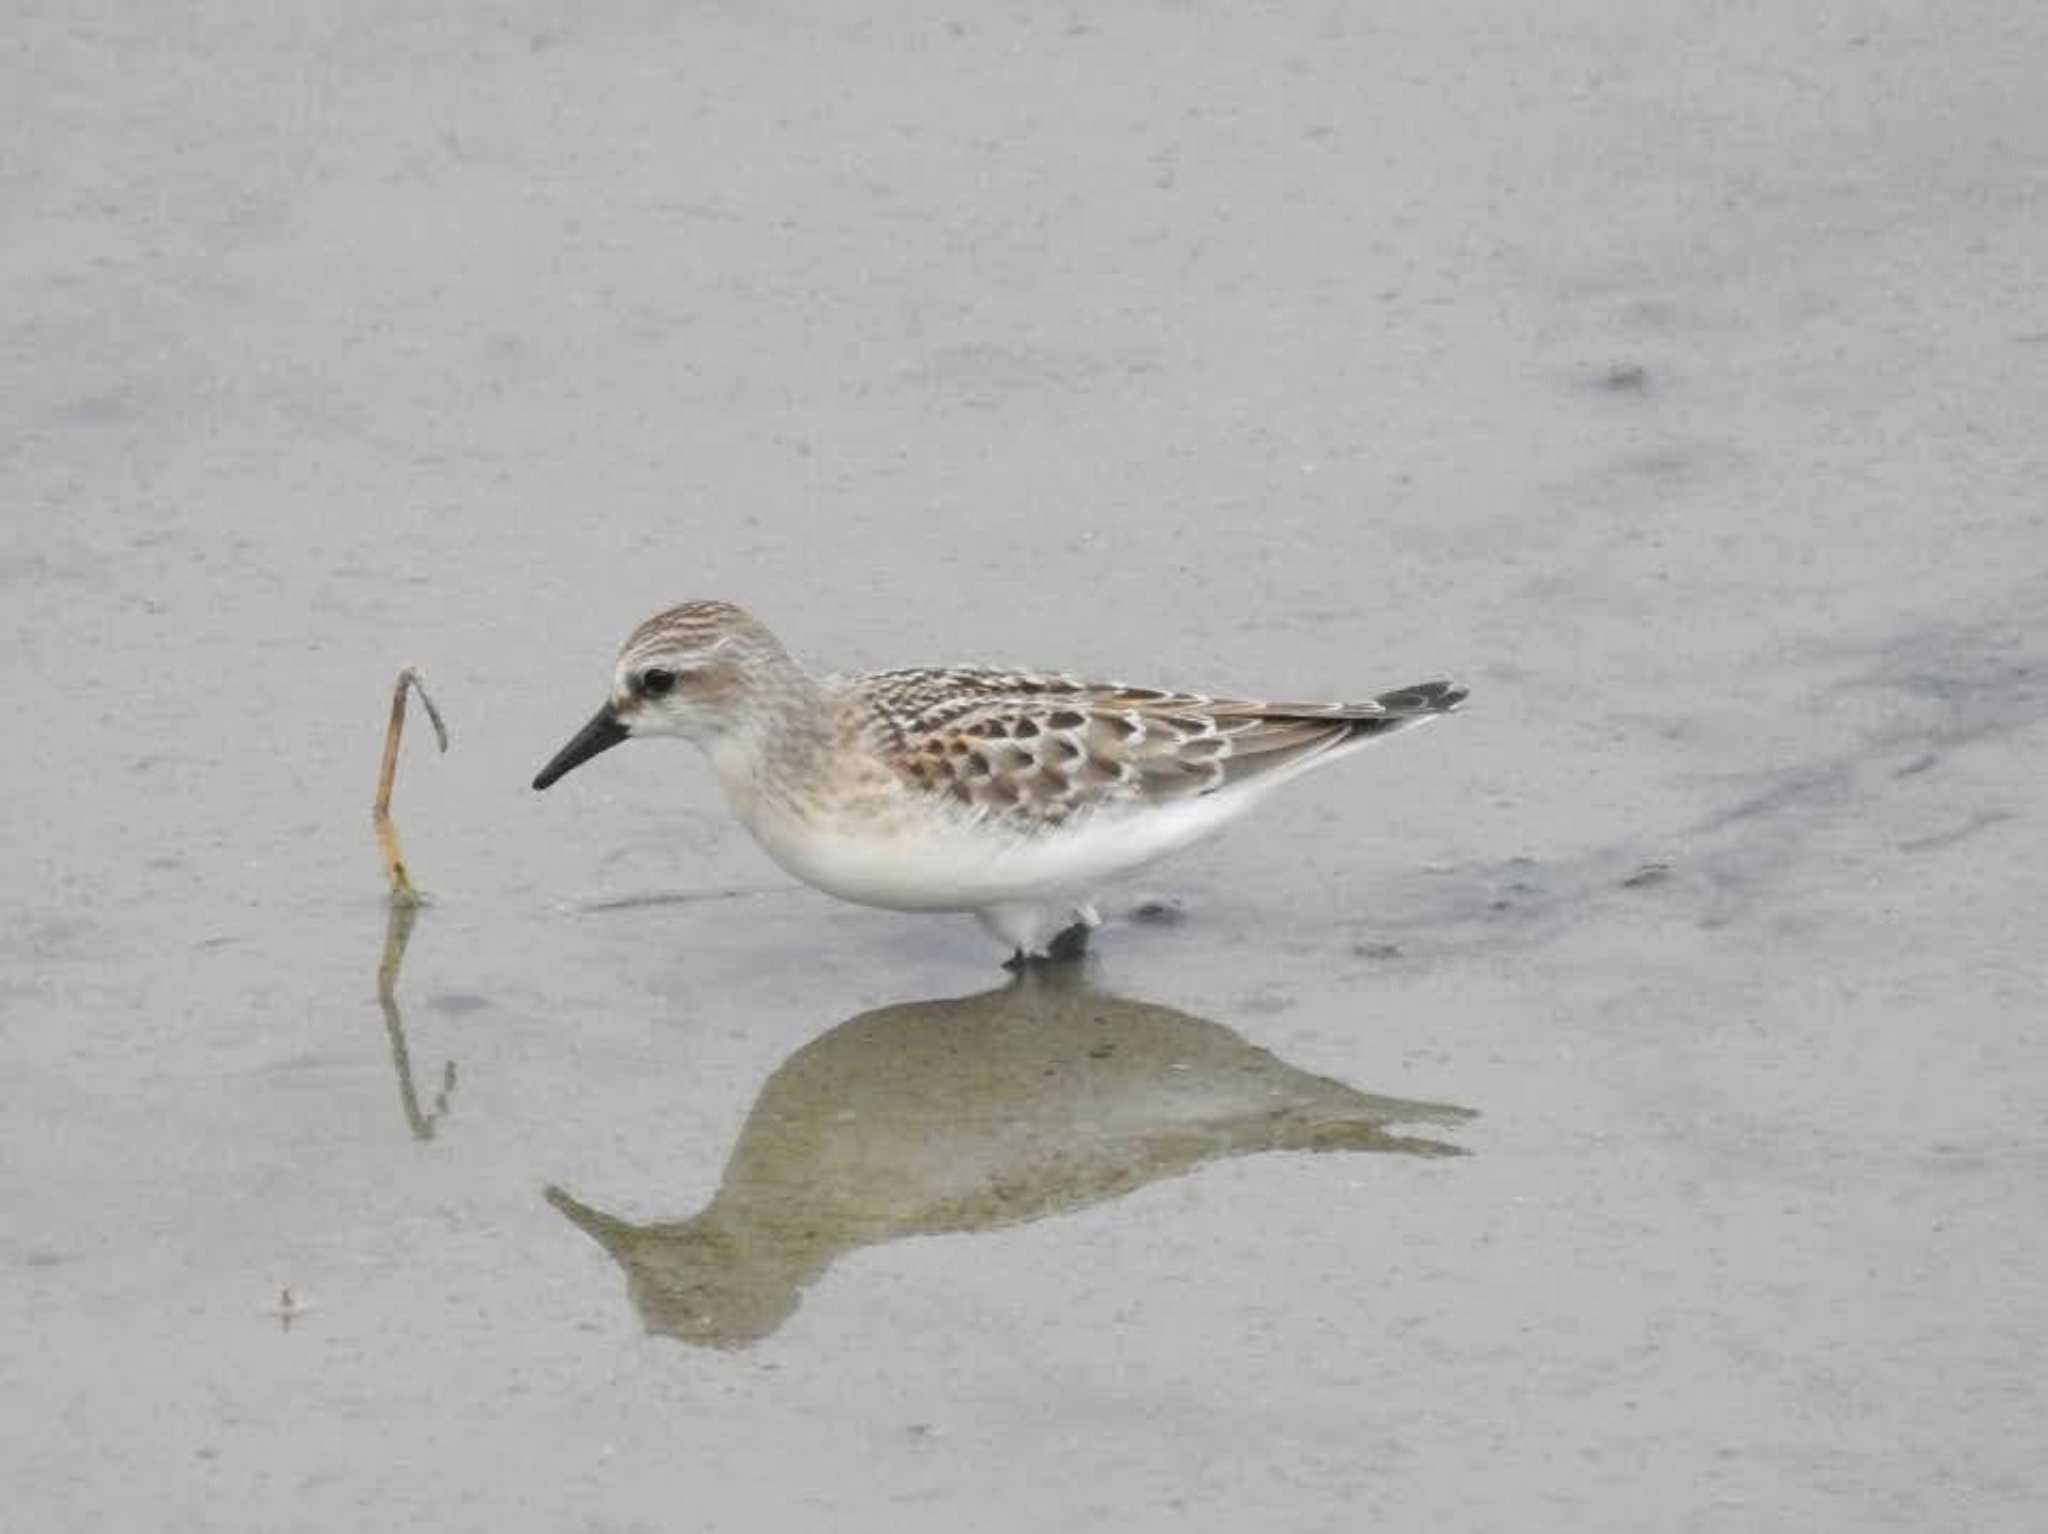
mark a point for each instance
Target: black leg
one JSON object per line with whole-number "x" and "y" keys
{"x": 1069, "y": 944}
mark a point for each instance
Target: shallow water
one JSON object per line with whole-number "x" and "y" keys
{"x": 968, "y": 1114}
{"x": 1618, "y": 1106}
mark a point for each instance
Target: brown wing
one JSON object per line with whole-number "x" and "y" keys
{"x": 1037, "y": 749}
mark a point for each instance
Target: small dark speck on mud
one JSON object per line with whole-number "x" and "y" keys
{"x": 1647, "y": 875}
{"x": 1377, "y": 950}
{"x": 1102, "y": 1051}
{"x": 456, "y": 1003}
{"x": 1624, "y": 378}
{"x": 1159, "y": 911}
{"x": 1920, "y": 763}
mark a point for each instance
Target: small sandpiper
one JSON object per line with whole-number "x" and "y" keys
{"x": 1008, "y": 794}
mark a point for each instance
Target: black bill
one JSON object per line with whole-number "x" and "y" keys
{"x": 601, "y": 734}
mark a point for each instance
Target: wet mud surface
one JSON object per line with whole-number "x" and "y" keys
{"x": 1618, "y": 1106}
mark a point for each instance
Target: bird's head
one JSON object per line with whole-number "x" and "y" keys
{"x": 700, "y": 671}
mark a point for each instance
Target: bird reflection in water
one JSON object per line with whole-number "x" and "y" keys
{"x": 971, "y": 1114}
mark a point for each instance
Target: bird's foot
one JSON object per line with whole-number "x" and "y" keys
{"x": 1069, "y": 944}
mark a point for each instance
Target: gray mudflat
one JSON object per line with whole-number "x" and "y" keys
{"x": 1618, "y": 1107}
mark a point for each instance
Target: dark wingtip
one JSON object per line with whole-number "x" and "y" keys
{"x": 1424, "y": 698}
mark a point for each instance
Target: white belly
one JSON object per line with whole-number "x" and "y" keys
{"x": 946, "y": 863}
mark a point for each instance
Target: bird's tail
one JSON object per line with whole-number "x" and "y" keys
{"x": 1405, "y": 707}
{"x": 1422, "y": 698}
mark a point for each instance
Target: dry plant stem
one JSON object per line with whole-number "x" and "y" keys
{"x": 380, "y": 811}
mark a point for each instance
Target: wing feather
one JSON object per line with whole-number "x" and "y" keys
{"x": 1035, "y": 749}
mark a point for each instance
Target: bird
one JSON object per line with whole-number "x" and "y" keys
{"x": 1008, "y": 794}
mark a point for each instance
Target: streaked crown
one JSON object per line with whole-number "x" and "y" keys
{"x": 697, "y": 628}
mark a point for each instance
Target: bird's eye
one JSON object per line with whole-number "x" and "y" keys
{"x": 656, "y": 680}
